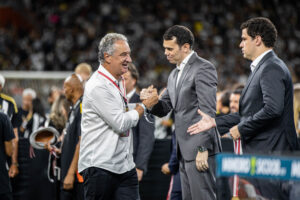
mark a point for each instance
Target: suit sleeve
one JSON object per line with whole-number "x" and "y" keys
{"x": 146, "y": 142}
{"x": 272, "y": 84}
{"x": 226, "y": 122}
{"x": 163, "y": 107}
{"x": 206, "y": 88}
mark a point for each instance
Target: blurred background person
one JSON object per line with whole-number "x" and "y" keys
{"x": 234, "y": 100}
{"x": 39, "y": 159}
{"x": 6, "y": 149}
{"x": 143, "y": 132}
{"x": 25, "y": 111}
{"x": 21, "y": 183}
{"x": 71, "y": 181}
{"x": 58, "y": 116}
{"x": 38, "y": 117}
{"x": 9, "y": 107}
{"x": 54, "y": 93}
{"x": 219, "y": 103}
{"x": 233, "y": 106}
{"x": 224, "y": 185}
{"x": 223, "y": 103}
{"x": 85, "y": 71}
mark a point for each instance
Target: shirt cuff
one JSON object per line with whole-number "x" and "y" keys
{"x": 134, "y": 115}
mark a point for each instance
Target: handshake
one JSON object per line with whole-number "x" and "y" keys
{"x": 149, "y": 96}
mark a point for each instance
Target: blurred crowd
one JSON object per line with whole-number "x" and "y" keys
{"x": 57, "y": 35}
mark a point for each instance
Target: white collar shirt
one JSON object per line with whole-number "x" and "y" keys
{"x": 182, "y": 65}
{"x": 258, "y": 59}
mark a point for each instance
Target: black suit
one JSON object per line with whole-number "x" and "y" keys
{"x": 143, "y": 139}
{"x": 265, "y": 119}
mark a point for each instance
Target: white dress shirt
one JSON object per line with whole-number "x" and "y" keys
{"x": 182, "y": 65}
{"x": 258, "y": 59}
{"x": 105, "y": 142}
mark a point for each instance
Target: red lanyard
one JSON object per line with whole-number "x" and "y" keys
{"x": 123, "y": 82}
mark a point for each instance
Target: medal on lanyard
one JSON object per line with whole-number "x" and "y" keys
{"x": 126, "y": 104}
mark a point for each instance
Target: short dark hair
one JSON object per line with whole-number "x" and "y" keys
{"x": 225, "y": 99}
{"x": 37, "y": 107}
{"x": 263, "y": 27}
{"x": 181, "y": 33}
{"x": 133, "y": 71}
{"x": 237, "y": 91}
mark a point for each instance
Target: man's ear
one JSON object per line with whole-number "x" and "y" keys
{"x": 135, "y": 82}
{"x": 107, "y": 58}
{"x": 186, "y": 47}
{"x": 258, "y": 40}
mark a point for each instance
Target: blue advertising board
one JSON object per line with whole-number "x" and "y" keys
{"x": 258, "y": 166}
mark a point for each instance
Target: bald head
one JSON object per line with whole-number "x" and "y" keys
{"x": 84, "y": 70}
{"x": 73, "y": 88}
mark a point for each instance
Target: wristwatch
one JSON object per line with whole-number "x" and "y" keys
{"x": 201, "y": 149}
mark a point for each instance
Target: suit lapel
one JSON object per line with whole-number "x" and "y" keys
{"x": 183, "y": 75}
{"x": 135, "y": 98}
{"x": 267, "y": 56}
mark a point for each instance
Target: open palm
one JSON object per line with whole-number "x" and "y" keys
{"x": 204, "y": 124}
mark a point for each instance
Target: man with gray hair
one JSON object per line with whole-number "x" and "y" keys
{"x": 105, "y": 158}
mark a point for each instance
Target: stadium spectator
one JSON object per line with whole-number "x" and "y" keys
{"x": 9, "y": 107}
{"x": 6, "y": 149}
{"x": 64, "y": 33}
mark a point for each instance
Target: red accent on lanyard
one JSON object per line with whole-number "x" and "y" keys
{"x": 124, "y": 96}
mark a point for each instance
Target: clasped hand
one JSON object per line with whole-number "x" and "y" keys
{"x": 149, "y": 96}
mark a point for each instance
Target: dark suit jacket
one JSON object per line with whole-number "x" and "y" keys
{"x": 265, "y": 119}
{"x": 143, "y": 139}
{"x": 196, "y": 89}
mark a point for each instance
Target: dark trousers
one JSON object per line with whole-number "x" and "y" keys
{"x": 100, "y": 184}
{"x": 176, "y": 193}
{"x": 295, "y": 190}
{"x": 198, "y": 185}
{"x": 74, "y": 194}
